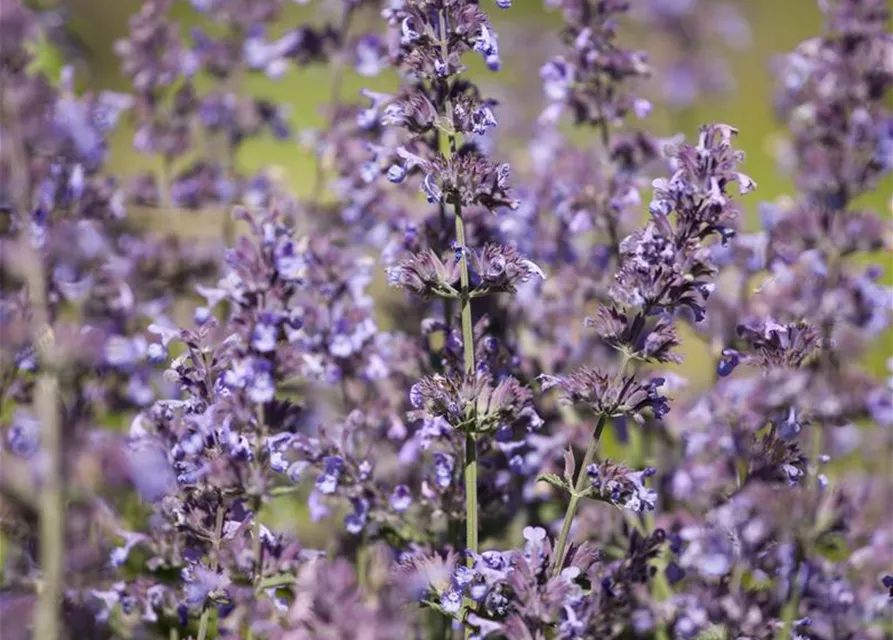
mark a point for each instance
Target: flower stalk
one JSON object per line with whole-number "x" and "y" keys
{"x": 582, "y": 475}
{"x": 470, "y": 474}
{"x": 470, "y": 470}
{"x": 47, "y": 408}
{"x": 205, "y": 619}
{"x": 52, "y": 504}
{"x": 579, "y": 486}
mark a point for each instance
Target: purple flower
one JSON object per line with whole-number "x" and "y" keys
{"x": 261, "y": 385}
{"x": 355, "y": 522}
{"x": 487, "y": 45}
{"x": 621, "y": 486}
{"x": 370, "y": 56}
{"x": 24, "y": 434}
{"x": 401, "y": 498}
{"x": 396, "y": 173}
{"x": 500, "y": 268}
{"x": 451, "y": 601}
{"x": 424, "y": 274}
{"x": 289, "y": 263}
{"x": 327, "y": 481}
{"x": 265, "y": 333}
{"x": 443, "y": 470}
{"x": 729, "y": 361}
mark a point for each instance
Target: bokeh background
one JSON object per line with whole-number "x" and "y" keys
{"x": 528, "y": 34}
{"x": 86, "y": 31}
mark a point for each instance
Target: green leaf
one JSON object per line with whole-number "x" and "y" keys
{"x": 284, "y": 490}
{"x": 274, "y": 582}
{"x": 554, "y": 480}
{"x": 48, "y": 58}
{"x": 714, "y": 632}
{"x": 834, "y": 547}
{"x": 443, "y": 123}
{"x": 4, "y": 549}
{"x": 750, "y": 582}
{"x": 436, "y": 607}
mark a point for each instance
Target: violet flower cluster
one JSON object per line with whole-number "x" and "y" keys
{"x": 442, "y": 393}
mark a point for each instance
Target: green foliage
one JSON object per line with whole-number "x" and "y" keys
{"x": 554, "y": 480}
{"x": 714, "y": 632}
{"x": 48, "y": 58}
{"x": 833, "y": 547}
{"x": 750, "y": 582}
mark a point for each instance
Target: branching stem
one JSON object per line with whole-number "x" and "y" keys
{"x": 579, "y": 486}
{"x": 582, "y": 475}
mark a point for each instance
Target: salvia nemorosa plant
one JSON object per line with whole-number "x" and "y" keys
{"x": 249, "y": 435}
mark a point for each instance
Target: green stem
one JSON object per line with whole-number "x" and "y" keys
{"x": 579, "y": 487}
{"x": 203, "y": 624}
{"x": 275, "y": 582}
{"x": 438, "y": 625}
{"x": 257, "y": 550}
{"x": 204, "y": 621}
{"x": 789, "y": 613}
{"x": 470, "y": 469}
{"x": 257, "y": 502}
{"x": 164, "y": 182}
{"x": 580, "y": 483}
{"x": 471, "y": 473}
{"x": 257, "y": 547}
{"x": 47, "y": 406}
{"x": 467, "y": 327}
{"x": 52, "y": 525}
{"x": 363, "y": 565}
{"x": 471, "y": 494}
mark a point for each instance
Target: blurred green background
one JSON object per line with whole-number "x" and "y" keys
{"x": 528, "y": 35}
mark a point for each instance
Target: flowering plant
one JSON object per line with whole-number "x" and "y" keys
{"x": 402, "y": 403}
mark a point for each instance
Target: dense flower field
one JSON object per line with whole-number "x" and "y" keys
{"x": 244, "y": 435}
